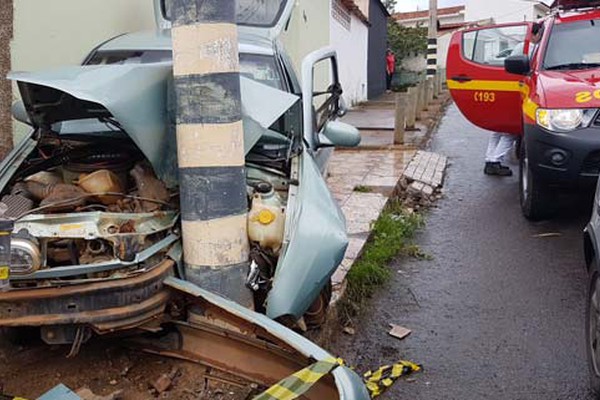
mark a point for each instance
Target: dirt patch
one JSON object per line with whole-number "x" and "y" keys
{"x": 104, "y": 366}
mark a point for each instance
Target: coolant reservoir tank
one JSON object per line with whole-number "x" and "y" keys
{"x": 266, "y": 220}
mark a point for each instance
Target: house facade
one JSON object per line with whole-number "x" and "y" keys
{"x": 376, "y": 75}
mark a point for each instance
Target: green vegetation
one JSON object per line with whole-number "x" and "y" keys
{"x": 363, "y": 189}
{"x": 406, "y": 42}
{"x": 390, "y": 237}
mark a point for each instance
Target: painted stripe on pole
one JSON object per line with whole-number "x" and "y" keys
{"x": 205, "y": 49}
{"x": 432, "y": 50}
{"x": 431, "y": 72}
{"x": 432, "y": 56}
{"x": 432, "y": 61}
{"x": 228, "y": 245}
{"x": 432, "y": 41}
{"x": 210, "y": 145}
{"x": 212, "y": 192}
{"x": 208, "y": 99}
{"x": 188, "y": 12}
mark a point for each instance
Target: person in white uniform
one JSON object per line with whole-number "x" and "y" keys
{"x": 499, "y": 143}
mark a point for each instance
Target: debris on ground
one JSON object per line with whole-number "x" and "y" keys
{"x": 87, "y": 394}
{"x": 423, "y": 179}
{"x": 380, "y": 380}
{"x": 163, "y": 383}
{"x": 399, "y": 332}
{"x": 348, "y": 330}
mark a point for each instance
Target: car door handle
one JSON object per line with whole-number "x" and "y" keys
{"x": 461, "y": 78}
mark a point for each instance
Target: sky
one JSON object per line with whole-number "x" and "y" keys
{"x": 413, "y": 5}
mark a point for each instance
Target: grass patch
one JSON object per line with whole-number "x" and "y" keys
{"x": 363, "y": 189}
{"x": 390, "y": 237}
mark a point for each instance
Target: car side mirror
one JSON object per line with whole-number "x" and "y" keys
{"x": 518, "y": 65}
{"x": 339, "y": 134}
{"x": 19, "y": 113}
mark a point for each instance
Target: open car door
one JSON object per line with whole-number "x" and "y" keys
{"x": 485, "y": 93}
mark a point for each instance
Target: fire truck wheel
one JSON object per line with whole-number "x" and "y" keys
{"x": 536, "y": 204}
{"x": 592, "y": 328}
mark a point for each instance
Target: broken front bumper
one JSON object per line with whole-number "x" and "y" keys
{"x": 104, "y": 306}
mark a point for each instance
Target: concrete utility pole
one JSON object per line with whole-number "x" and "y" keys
{"x": 432, "y": 40}
{"x": 210, "y": 144}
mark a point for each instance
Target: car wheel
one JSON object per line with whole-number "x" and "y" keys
{"x": 592, "y": 328}
{"x": 316, "y": 315}
{"x": 535, "y": 201}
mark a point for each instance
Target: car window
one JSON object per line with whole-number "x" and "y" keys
{"x": 491, "y": 46}
{"x": 570, "y": 46}
{"x": 261, "y": 68}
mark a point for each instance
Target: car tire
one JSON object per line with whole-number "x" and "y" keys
{"x": 316, "y": 315}
{"x": 592, "y": 328}
{"x": 536, "y": 203}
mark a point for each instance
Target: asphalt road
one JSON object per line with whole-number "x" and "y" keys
{"x": 497, "y": 313}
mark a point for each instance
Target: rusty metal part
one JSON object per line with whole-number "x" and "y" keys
{"x": 105, "y": 306}
{"x": 17, "y": 204}
{"x": 102, "y": 181}
{"x": 45, "y": 178}
{"x": 96, "y": 247}
{"x": 217, "y": 338}
{"x": 149, "y": 186}
{"x": 39, "y": 190}
{"x": 62, "y": 197}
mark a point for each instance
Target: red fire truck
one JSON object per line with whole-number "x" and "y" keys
{"x": 548, "y": 94}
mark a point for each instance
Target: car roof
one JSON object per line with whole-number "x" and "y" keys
{"x": 577, "y": 15}
{"x": 161, "y": 40}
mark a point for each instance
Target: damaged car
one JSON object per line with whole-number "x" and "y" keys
{"x": 90, "y": 197}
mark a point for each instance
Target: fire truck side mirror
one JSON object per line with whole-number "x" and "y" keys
{"x": 518, "y": 65}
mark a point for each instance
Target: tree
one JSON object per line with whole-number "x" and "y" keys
{"x": 406, "y": 42}
{"x": 390, "y": 5}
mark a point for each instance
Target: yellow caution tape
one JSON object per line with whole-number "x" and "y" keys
{"x": 299, "y": 383}
{"x": 380, "y": 380}
{"x": 296, "y": 385}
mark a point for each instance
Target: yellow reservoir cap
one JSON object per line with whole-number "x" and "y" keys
{"x": 266, "y": 217}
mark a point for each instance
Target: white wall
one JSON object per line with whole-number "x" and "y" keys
{"x": 62, "y": 32}
{"x": 501, "y": 11}
{"x": 352, "y": 49}
{"x": 49, "y": 34}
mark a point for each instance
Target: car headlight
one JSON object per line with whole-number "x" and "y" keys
{"x": 564, "y": 120}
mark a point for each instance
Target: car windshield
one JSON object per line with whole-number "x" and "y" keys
{"x": 570, "y": 46}
{"x": 261, "y": 68}
{"x": 263, "y": 13}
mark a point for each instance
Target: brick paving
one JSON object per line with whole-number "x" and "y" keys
{"x": 362, "y": 182}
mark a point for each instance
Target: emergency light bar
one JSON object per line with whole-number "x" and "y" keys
{"x": 574, "y": 4}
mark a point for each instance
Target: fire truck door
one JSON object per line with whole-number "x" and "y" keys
{"x": 485, "y": 93}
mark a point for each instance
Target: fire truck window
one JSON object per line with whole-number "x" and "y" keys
{"x": 571, "y": 47}
{"x": 492, "y": 46}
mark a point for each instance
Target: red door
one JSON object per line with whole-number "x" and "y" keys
{"x": 485, "y": 93}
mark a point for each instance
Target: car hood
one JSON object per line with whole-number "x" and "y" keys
{"x": 569, "y": 89}
{"x": 139, "y": 98}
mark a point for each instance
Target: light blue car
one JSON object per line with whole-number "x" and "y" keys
{"x": 93, "y": 192}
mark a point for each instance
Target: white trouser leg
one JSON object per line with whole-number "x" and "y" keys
{"x": 492, "y": 145}
{"x": 504, "y": 146}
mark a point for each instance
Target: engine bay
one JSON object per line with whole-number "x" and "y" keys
{"x": 92, "y": 208}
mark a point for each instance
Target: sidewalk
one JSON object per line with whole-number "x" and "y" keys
{"x": 364, "y": 179}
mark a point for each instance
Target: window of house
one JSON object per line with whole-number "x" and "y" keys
{"x": 341, "y": 14}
